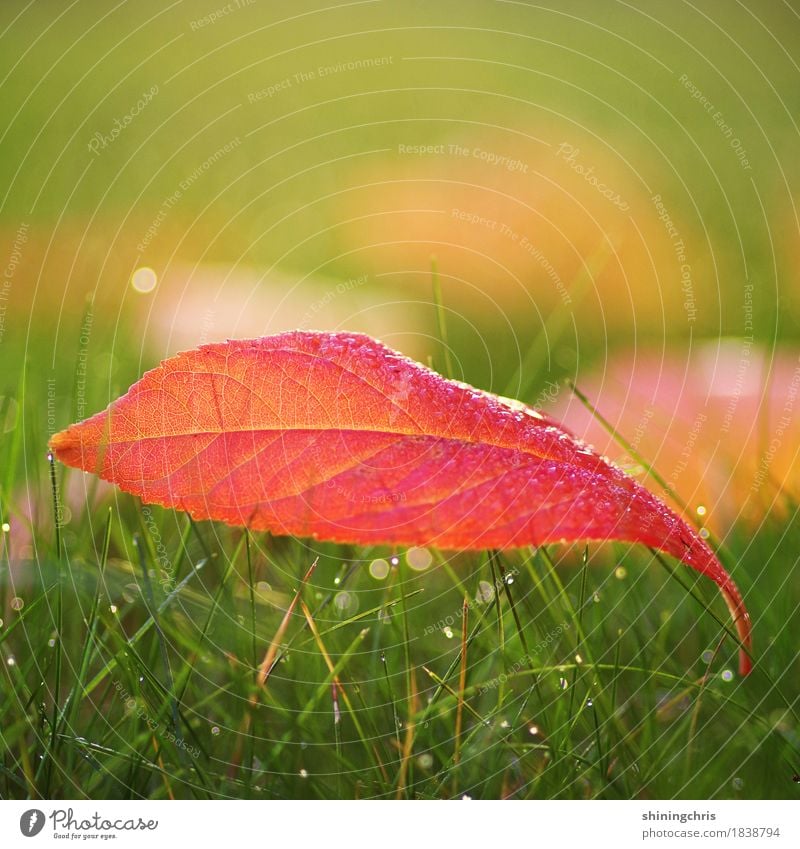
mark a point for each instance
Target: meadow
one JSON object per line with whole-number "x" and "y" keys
{"x": 528, "y": 196}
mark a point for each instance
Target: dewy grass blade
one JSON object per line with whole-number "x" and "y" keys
{"x": 143, "y": 629}
{"x": 631, "y": 450}
{"x": 252, "y": 594}
{"x": 334, "y": 670}
{"x": 462, "y": 684}
{"x": 501, "y": 633}
{"x": 162, "y": 643}
{"x": 52, "y": 744}
{"x": 90, "y": 644}
{"x": 268, "y": 662}
{"x": 441, "y": 319}
{"x": 191, "y": 660}
{"x": 457, "y": 660}
{"x": 395, "y": 716}
{"x": 580, "y": 648}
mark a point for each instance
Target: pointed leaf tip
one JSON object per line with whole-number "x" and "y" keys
{"x": 337, "y": 437}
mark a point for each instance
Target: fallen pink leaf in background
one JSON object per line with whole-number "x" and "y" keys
{"x": 721, "y": 423}
{"x": 335, "y": 436}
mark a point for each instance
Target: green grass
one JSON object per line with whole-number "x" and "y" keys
{"x": 161, "y": 658}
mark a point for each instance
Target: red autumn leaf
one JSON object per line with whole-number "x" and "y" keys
{"x": 335, "y": 436}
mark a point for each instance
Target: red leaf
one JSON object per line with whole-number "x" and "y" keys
{"x": 334, "y": 436}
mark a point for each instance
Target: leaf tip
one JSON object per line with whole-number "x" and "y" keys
{"x": 66, "y": 446}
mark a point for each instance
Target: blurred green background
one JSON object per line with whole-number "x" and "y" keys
{"x": 315, "y": 184}
{"x": 593, "y": 180}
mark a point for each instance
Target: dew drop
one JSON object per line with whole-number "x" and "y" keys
{"x": 346, "y": 603}
{"x": 11, "y": 661}
{"x": 17, "y": 603}
{"x": 129, "y": 592}
{"x": 419, "y": 559}
{"x": 727, "y": 675}
{"x": 737, "y": 783}
{"x": 395, "y": 561}
{"x": 425, "y": 761}
{"x": 620, "y": 573}
{"x": 589, "y": 703}
{"x": 563, "y": 683}
{"x": 379, "y": 569}
{"x": 144, "y": 280}
{"x": 533, "y": 730}
{"x": 51, "y": 642}
{"x": 215, "y": 730}
{"x": 113, "y": 608}
{"x": 701, "y": 510}
{"x": 508, "y": 579}
{"x": 485, "y": 592}
{"x": 448, "y": 632}
{"x": 707, "y": 656}
{"x": 6, "y": 527}
{"x": 704, "y": 533}
{"x": 303, "y": 773}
